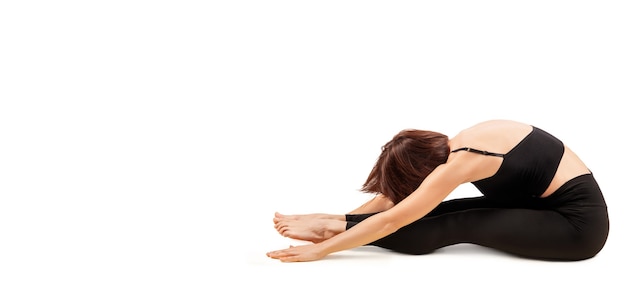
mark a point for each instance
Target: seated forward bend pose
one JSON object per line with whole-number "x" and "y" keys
{"x": 539, "y": 200}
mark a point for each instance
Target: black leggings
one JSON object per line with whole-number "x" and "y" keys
{"x": 570, "y": 224}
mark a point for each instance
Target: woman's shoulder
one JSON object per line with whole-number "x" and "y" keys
{"x": 498, "y": 124}
{"x": 491, "y": 128}
{"x": 496, "y": 136}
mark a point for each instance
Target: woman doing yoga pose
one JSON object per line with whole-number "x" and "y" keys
{"x": 539, "y": 200}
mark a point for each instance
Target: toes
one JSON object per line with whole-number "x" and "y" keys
{"x": 281, "y": 228}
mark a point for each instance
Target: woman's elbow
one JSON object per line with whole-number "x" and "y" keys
{"x": 391, "y": 225}
{"x": 389, "y": 228}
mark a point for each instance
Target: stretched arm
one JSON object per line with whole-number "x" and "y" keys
{"x": 435, "y": 188}
{"x": 376, "y": 204}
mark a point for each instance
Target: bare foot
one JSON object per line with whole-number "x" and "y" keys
{"x": 306, "y": 217}
{"x": 312, "y": 227}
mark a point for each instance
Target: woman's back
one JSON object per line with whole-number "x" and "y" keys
{"x": 501, "y": 137}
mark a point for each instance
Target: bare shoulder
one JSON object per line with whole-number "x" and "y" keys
{"x": 468, "y": 167}
{"x": 497, "y": 125}
{"x": 496, "y": 136}
{"x": 492, "y": 135}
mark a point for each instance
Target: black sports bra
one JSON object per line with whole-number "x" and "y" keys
{"x": 526, "y": 170}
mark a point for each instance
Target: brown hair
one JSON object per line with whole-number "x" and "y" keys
{"x": 405, "y": 161}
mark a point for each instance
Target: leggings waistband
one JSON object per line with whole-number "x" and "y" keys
{"x": 582, "y": 190}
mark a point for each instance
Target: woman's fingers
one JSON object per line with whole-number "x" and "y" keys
{"x": 280, "y": 254}
{"x": 292, "y": 250}
{"x": 297, "y": 254}
{"x": 289, "y": 259}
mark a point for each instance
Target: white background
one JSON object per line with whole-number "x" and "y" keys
{"x": 147, "y": 143}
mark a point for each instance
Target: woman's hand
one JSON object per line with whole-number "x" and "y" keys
{"x": 302, "y": 253}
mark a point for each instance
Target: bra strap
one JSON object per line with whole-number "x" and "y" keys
{"x": 468, "y": 149}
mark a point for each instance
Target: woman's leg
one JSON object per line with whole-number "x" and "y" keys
{"x": 571, "y": 224}
{"x": 540, "y": 234}
{"x": 318, "y": 227}
{"x": 377, "y": 204}
{"x": 310, "y": 229}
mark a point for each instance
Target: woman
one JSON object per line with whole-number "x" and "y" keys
{"x": 539, "y": 199}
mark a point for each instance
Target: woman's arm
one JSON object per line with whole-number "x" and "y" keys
{"x": 376, "y": 204}
{"x": 435, "y": 188}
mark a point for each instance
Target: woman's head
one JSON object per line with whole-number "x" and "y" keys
{"x": 405, "y": 161}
